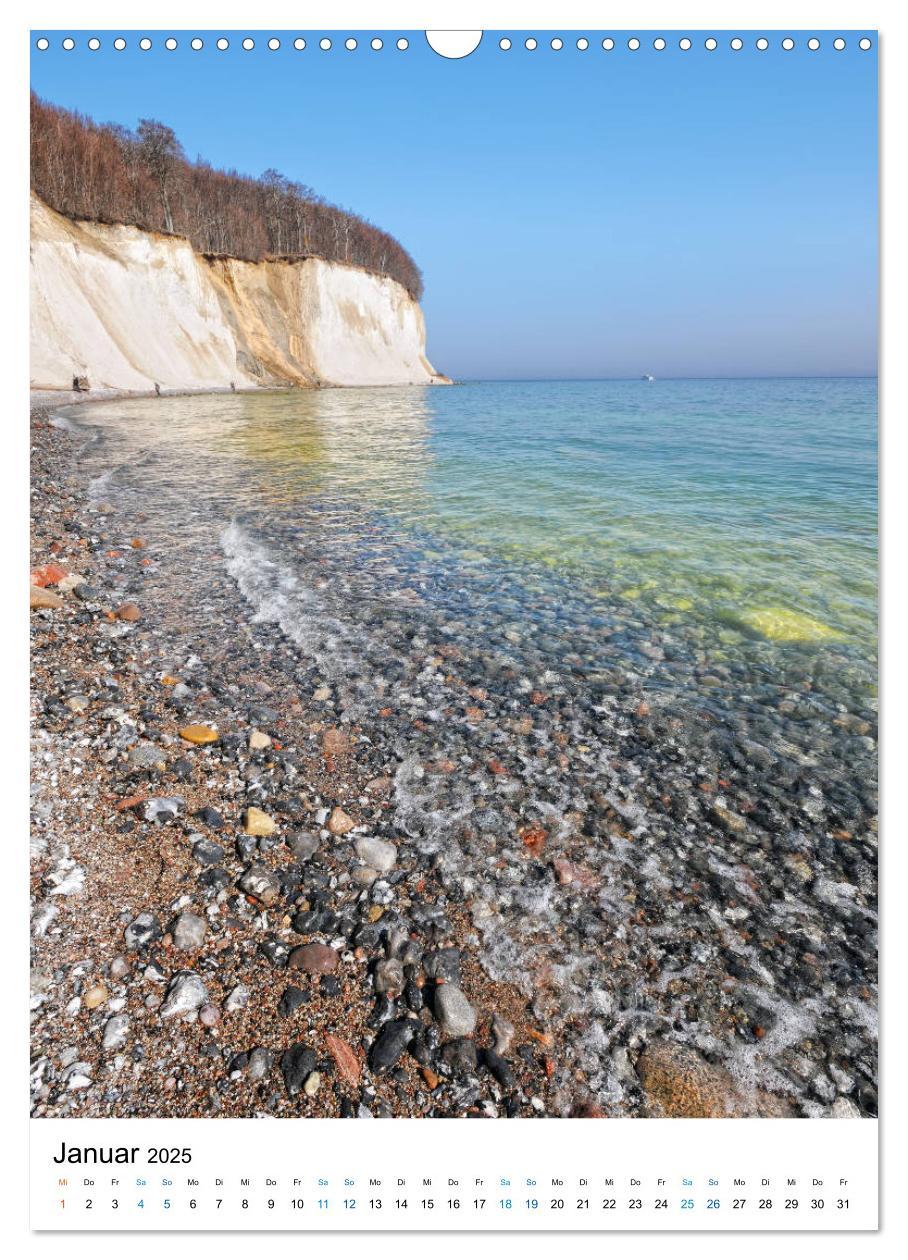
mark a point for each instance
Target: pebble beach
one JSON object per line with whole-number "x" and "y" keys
{"x": 452, "y": 873}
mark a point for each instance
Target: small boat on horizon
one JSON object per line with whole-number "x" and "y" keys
{"x": 647, "y": 377}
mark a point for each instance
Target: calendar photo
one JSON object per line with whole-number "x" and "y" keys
{"x": 453, "y": 583}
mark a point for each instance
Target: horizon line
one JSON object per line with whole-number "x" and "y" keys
{"x": 531, "y": 380}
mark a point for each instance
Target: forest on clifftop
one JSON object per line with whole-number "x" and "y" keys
{"x": 105, "y": 173}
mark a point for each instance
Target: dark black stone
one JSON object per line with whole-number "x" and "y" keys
{"x": 391, "y": 1042}
{"x": 291, "y": 998}
{"x": 262, "y": 716}
{"x": 296, "y": 1065}
{"x": 420, "y": 1051}
{"x": 384, "y": 1009}
{"x": 443, "y": 964}
{"x": 499, "y": 1069}
{"x": 276, "y": 952}
{"x": 459, "y": 1056}
{"x": 210, "y": 817}
{"x": 413, "y": 997}
{"x": 207, "y": 852}
{"x": 368, "y": 936}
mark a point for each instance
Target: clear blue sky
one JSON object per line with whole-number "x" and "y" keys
{"x": 574, "y": 214}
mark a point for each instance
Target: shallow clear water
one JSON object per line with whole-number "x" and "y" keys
{"x": 745, "y": 506}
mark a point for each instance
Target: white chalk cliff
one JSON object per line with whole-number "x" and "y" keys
{"x": 130, "y": 309}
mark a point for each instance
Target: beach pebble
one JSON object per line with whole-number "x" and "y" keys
{"x": 502, "y": 1032}
{"x": 257, "y": 823}
{"x": 391, "y": 1042}
{"x": 261, "y": 882}
{"x": 207, "y": 852}
{"x": 732, "y": 822}
{"x": 95, "y": 996}
{"x": 388, "y": 976}
{"x": 142, "y": 931}
{"x": 116, "y": 1031}
{"x": 146, "y": 757}
{"x": 315, "y": 958}
{"x": 378, "y": 854}
{"x": 237, "y": 998}
{"x": 162, "y": 809}
{"x": 459, "y": 1056}
{"x": 41, "y": 598}
{"x": 297, "y": 1063}
{"x": 196, "y": 733}
{"x": 189, "y": 931}
{"x": 260, "y": 1062}
{"x": 185, "y": 995}
{"x": 339, "y": 822}
{"x": 443, "y": 964}
{"x": 291, "y": 999}
{"x": 454, "y": 1012}
{"x": 302, "y": 844}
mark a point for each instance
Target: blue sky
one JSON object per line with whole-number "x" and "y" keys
{"x": 591, "y": 214}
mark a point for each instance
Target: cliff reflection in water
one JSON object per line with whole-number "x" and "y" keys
{"x": 236, "y": 452}
{"x": 369, "y": 444}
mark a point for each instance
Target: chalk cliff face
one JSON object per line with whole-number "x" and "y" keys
{"x": 130, "y": 309}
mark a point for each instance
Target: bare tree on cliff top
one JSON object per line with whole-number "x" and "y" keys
{"x": 160, "y": 150}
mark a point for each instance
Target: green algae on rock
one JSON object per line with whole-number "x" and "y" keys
{"x": 785, "y": 625}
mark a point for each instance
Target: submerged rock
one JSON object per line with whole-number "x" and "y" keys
{"x": 679, "y": 1082}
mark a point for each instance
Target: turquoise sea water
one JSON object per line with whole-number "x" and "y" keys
{"x": 744, "y": 506}
{"x": 712, "y": 498}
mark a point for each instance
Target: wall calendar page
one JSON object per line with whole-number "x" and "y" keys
{"x": 453, "y": 611}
